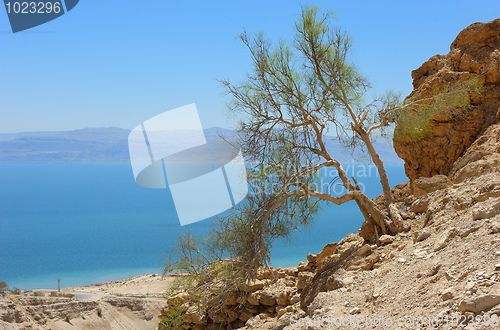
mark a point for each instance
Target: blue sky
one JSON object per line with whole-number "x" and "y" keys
{"x": 118, "y": 63}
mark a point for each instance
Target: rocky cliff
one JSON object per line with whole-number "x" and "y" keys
{"x": 475, "y": 52}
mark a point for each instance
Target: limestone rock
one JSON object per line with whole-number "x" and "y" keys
{"x": 364, "y": 249}
{"x": 291, "y": 271}
{"x": 193, "y": 315}
{"x": 422, "y": 234}
{"x": 478, "y": 304}
{"x": 385, "y": 239}
{"x": 447, "y": 294}
{"x": 482, "y": 156}
{"x": 254, "y": 298}
{"x": 304, "y": 279}
{"x": 423, "y": 186}
{"x": 364, "y": 263}
{"x": 253, "y": 285}
{"x": 245, "y": 316}
{"x": 178, "y": 299}
{"x": 487, "y": 209}
{"x": 474, "y": 51}
{"x": 268, "y": 298}
{"x": 445, "y": 238}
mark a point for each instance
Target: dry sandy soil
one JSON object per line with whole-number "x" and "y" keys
{"x": 132, "y": 303}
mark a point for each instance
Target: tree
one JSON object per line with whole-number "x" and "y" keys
{"x": 3, "y": 285}
{"x": 298, "y": 92}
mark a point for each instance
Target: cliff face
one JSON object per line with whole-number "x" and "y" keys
{"x": 475, "y": 51}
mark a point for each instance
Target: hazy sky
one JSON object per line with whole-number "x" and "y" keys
{"x": 118, "y": 63}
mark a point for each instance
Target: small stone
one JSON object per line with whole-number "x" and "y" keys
{"x": 252, "y": 285}
{"x": 419, "y": 253}
{"x": 364, "y": 249}
{"x": 497, "y": 253}
{"x": 263, "y": 316}
{"x": 385, "y": 239}
{"x": 295, "y": 298}
{"x": 401, "y": 260}
{"x": 447, "y": 294}
{"x": 355, "y": 310}
{"x": 444, "y": 239}
{"x": 421, "y": 235}
{"x": 347, "y": 281}
{"x": 497, "y": 267}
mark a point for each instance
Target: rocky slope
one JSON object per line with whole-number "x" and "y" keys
{"x": 476, "y": 52}
{"x": 18, "y": 312}
{"x": 443, "y": 270}
{"x": 115, "y": 305}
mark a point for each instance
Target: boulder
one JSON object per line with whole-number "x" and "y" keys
{"x": 475, "y": 51}
{"x": 479, "y": 304}
{"x": 385, "y": 239}
{"x": 364, "y": 249}
{"x": 423, "y": 186}
{"x": 252, "y": 285}
{"x": 421, "y": 235}
{"x": 268, "y": 297}
{"x": 304, "y": 279}
{"x": 194, "y": 315}
{"x": 254, "y": 298}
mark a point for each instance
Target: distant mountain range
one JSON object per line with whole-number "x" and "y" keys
{"x": 110, "y": 145}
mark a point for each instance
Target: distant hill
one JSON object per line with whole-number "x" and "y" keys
{"x": 110, "y": 145}
{"x": 88, "y": 145}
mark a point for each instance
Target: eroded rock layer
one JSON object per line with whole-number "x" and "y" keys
{"x": 475, "y": 52}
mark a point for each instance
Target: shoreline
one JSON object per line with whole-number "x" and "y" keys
{"x": 147, "y": 285}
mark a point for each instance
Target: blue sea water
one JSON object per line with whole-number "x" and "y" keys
{"x": 90, "y": 223}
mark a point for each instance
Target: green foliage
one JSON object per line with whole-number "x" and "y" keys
{"x": 16, "y": 291}
{"x": 38, "y": 294}
{"x": 67, "y": 319}
{"x": 451, "y": 102}
{"x": 65, "y": 295}
{"x": 3, "y": 285}
{"x": 173, "y": 319}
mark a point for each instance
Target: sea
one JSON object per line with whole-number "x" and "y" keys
{"x": 91, "y": 223}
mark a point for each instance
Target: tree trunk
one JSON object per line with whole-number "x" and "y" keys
{"x": 392, "y": 209}
{"x": 384, "y": 180}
